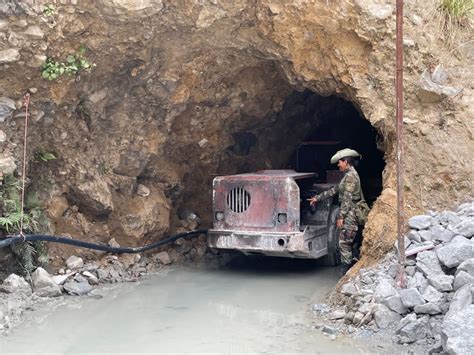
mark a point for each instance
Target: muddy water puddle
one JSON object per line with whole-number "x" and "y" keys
{"x": 247, "y": 306}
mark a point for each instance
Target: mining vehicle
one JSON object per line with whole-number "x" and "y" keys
{"x": 267, "y": 212}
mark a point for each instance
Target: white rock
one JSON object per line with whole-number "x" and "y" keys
{"x": 143, "y": 191}
{"x": 9, "y": 56}
{"x": 74, "y": 262}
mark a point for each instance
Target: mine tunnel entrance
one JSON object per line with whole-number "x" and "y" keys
{"x": 335, "y": 124}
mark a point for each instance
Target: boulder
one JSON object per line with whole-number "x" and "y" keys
{"x": 465, "y": 228}
{"x": 43, "y": 284}
{"x": 453, "y": 254}
{"x": 456, "y": 331}
{"x": 384, "y": 317}
{"x": 414, "y": 330}
{"x": 92, "y": 197}
{"x": 77, "y": 288}
{"x": 74, "y": 262}
{"x": 461, "y": 300}
{"x": 384, "y": 290}
{"x": 467, "y": 266}
{"x": 441, "y": 282}
{"x": 7, "y": 106}
{"x": 462, "y": 278}
{"x": 420, "y": 222}
{"x": 15, "y": 284}
{"x": 427, "y": 308}
{"x": 430, "y": 294}
{"x": 163, "y": 257}
{"x": 428, "y": 263}
{"x": 411, "y": 297}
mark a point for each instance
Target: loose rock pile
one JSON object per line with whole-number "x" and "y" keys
{"x": 436, "y": 307}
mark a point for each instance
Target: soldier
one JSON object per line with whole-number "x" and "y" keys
{"x": 349, "y": 191}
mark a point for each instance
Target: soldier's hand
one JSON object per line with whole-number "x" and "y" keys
{"x": 312, "y": 200}
{"x": 339, "y": 223}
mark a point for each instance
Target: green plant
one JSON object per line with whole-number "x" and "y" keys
{"x": 104, "y": 168}
{"x": 41, "y": 155}
{"x": 74, "y": 63}
{"x": 457, "y": 10}
{"x": 29, "y": 254}
{"x": 49, "y": 10}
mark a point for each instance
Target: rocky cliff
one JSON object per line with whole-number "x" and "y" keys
{"x": 149, "y": 100}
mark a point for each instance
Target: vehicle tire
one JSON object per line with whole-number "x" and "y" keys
{"x": 334, "y": 256}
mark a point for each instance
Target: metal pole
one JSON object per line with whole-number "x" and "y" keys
{"x": 399, "y": 160}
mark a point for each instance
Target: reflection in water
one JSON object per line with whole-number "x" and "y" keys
{"x": 249, "y": 305}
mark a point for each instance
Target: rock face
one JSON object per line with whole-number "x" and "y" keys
{"x": 182, "y": 91}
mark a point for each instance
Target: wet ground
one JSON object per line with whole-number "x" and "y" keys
{"x": 248, "y": 305}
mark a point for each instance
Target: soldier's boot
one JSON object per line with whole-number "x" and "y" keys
{"x": 344, "y": 268}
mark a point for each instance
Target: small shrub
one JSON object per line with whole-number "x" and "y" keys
{"x": 74, "y": 63}
{"x": 29, "y": 254}
{"x": 41, "y": 155}
{"x": 49, "y": 10}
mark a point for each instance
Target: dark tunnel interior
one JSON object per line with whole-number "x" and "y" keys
{"x": 336, "y": 124}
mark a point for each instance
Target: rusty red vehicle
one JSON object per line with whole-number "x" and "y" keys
{"x": 267, "y": 212}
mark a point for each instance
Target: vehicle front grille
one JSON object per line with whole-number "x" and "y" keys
{"x": 238, "y": 199}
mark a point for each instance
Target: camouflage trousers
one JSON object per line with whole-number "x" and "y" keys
{"x": 346, "y": 243}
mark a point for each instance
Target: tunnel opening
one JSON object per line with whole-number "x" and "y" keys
{"x": 330, "y": 124}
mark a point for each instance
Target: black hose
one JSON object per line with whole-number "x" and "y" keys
{"x": 13, "y": 239}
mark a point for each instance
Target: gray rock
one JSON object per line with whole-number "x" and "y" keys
{"x": 113, "y": 243}
{"x": 7, "y": 106}
{"x": 9, "y": 56}
{"x": 143, "y": 191}
{"x": 338, "y": 314}
{"x": 456, "y": 332}
{"x": 418, "y": 281}
{"x": 91, "y": 278}
{"x": 43, "y": 284}
{"x": 426, "y": 235}
{"x": 34, "y": 31}
{"x": 441, "y": 234}
{"x": 329, "y": 330}
{"x": 446, "y": 218}
{"x": 395, "y": 304}
{"x": 414, "y": 330}
{"x": 414, "y": 236}
{"x": 465, "y": 228}
{"x": 430, "y": 294}
{"x": 453, "y": 254}
{"x": 411, "y": 297}
{"x": 427, "y": 308}
{"x": 462, "y": 278}
{"x": 410, "y": 270}
{"x": 384, "y": 290}
{"x": 433, "y": 92}
{"x": 61, "y": 279}
{"x": 441, "y": 282}
{"x": 466, "y": 210}
{"x": 460, "y": 239}
{"x": 461, "y": 300}
{"x": 358, "y": 316}
{"x": 163, "y": 257}
{"x": 77, "y": 288}
{"x": 93, "y": 197}
{"x": 439, "y": 75}
{"x": 7, "y": 165}
{"x": 15, "y": 284}
{"x": 384, "y": 317}
{"x": 80, "y": 278}
{"x": 467, "y": 266}
{"x": 74, "y": 262}
{"x": 428, "y": 263}
{"x": 420, "y": 222}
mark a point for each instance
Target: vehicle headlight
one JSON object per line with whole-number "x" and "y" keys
{"x": 219, "y": 216}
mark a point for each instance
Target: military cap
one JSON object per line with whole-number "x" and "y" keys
{"x": 344, "y": 153}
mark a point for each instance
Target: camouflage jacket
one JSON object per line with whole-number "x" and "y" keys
{"x": 349, "y": 191}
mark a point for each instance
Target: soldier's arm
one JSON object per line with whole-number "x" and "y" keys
{"x": 346, "y": 198}
{"x": 326, "y": 194}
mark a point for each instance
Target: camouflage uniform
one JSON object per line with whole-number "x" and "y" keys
{"x": 349, "y": 192}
